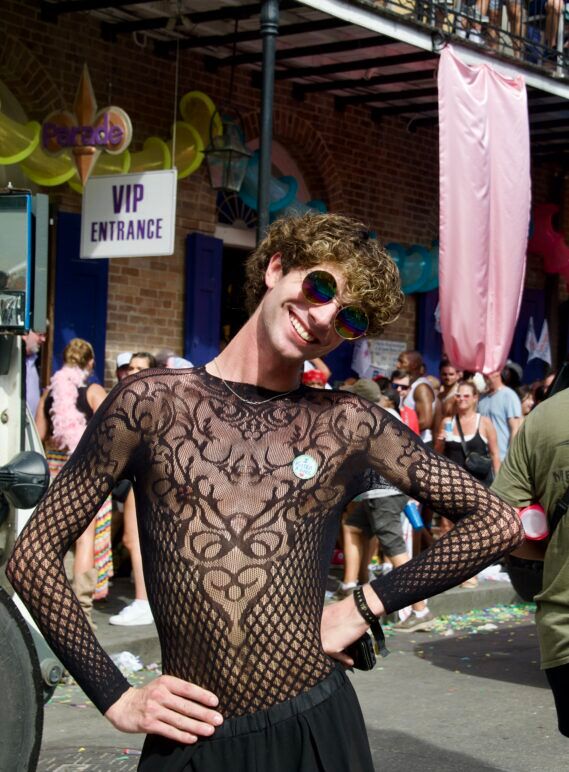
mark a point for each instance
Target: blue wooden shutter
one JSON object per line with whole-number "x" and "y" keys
{"x": 204, "y": 256}
{"x": 81, "y": 288}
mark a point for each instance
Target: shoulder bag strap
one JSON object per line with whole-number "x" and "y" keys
{"x": 462, "y": 440}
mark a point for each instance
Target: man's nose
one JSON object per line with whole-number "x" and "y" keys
{"x": 323, "y": 316}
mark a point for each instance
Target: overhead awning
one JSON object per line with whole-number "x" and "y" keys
{"x": 358, "y": 51}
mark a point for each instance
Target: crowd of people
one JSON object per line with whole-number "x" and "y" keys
{"x": 469, "y": 418}
{"x": 458, "y": 413}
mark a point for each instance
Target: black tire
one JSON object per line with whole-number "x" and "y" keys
{"x": 526, "y": 576}
{"x": 21, "y": 705}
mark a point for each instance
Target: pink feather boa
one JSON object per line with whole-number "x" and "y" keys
{"x": 68, "y": 422}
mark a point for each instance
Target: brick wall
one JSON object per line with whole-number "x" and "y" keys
{"x": 378, "y": 172}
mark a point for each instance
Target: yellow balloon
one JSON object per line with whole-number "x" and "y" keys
{"x": 153, "y": 157}
{"x": 48, "y": 170}
{"x": 197, "y": 109}
{"x": 189, "y": 149}
{"x": 105, "y": 164}
{"x": 17, "y": 140}
{"x": 20, "y": 143}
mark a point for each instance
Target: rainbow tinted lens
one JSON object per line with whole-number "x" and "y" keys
{"x": 319, "y": 287}
{"x": 351, "y": 322}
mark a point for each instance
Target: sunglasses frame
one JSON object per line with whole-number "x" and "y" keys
{"x": 341, "y": 308}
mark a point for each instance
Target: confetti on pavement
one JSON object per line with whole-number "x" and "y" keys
{"x": 485, "y": 619}
{"x": 477, "y": 620}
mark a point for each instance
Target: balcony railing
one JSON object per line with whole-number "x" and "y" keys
{"x": 530, "y": 32}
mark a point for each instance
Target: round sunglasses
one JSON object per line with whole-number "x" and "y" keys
{"x": 319, "y": 288}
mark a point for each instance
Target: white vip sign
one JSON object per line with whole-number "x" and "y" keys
{"x": 129, "y": 215}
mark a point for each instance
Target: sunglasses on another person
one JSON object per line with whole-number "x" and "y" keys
{"x": 400, "y": 386}
{"x": 319, "y": 288}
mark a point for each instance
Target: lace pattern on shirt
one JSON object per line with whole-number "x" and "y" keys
{"x": 235, "y": 546}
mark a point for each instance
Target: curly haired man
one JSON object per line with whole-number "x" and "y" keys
{"x": 240, "y": 475}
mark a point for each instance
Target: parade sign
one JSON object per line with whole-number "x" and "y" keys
{"x": 129, "y": 215}
{"x": 86, "y": 132}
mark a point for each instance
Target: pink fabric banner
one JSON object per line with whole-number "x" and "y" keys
{"x": 484, "y": 210}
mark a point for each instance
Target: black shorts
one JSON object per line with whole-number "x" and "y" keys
{"x": 321, "y": 730}
{"x": 558, "y": 678}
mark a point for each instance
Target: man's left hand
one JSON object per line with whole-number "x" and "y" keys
{"x": 342, "y": 624}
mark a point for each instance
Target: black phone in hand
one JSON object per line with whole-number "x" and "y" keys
{"x": 362, "y": 652}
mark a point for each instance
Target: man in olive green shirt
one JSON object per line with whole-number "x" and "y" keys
{"x": 536, "y": 469}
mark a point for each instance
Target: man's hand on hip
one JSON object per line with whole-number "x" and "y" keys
{"x": 167, "y": 706}
{"x": 342, "y": 624}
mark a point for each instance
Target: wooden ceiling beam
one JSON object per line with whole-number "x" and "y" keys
{"x": 302, "y": 28}
{"x": 282, "y": 54}
{"x": 406, "y": 76}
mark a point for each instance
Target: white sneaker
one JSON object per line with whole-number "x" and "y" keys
{"x": 136, "y": 613}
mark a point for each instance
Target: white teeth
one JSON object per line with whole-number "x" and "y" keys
{"x": 304, "y": 334}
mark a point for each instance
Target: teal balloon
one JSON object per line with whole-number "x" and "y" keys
{"x": 282, "y": 190}
{"x": 418, "y": 267}
{"x": 431, "y": 281}
{"x": 398, "y": 253}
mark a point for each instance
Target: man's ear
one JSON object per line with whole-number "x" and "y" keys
{"x": 274, "y": 270}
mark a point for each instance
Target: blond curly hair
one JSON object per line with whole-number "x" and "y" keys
{"x": 78, "y": 353}
{"x": 307, "y": 241}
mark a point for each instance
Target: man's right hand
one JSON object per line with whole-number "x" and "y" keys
{"x": 167, "y": 706}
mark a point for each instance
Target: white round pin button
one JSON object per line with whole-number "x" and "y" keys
{"x": 304, "y": 467}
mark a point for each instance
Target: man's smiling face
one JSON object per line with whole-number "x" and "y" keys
{"x": 296, "y": 328}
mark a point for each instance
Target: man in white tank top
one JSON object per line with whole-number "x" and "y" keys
{"x": 420, "y": 396}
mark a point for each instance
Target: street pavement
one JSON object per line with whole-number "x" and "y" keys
{"x": 467, "y": 697}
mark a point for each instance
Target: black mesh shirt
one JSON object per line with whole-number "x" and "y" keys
{"x": 235, "y": 545}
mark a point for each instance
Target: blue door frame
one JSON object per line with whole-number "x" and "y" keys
{"x": 81, "y": 288}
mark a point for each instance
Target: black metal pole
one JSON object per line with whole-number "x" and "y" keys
{"x": 269, "y": 32}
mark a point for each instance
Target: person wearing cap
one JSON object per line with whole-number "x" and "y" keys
{"x": 123, "y": 362}
{"x": 167, "y": 357}
{"x": 512, "y": 374}
{"x": 502, "y": 405}
{"x": 366, "y": 388}
{"x": 178, "y": 363}
{"x": 314, "y": 378}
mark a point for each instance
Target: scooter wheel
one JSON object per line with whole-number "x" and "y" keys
{"x": 21, "y": 706}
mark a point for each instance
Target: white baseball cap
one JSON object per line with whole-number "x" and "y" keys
{"x": 123, "y": 359}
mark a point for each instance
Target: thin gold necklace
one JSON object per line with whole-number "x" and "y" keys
{"x": 248, "y": 401}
